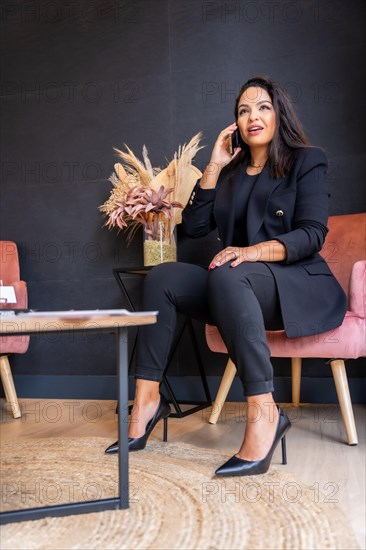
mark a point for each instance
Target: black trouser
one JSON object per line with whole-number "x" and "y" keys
{"x": 242, "y": 301}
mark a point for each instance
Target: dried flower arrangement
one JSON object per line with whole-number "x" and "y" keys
{"x": 147, "y": 196}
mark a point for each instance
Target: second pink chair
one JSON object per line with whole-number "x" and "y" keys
{"x": 10, "y": 276}
{"x": 344, "y": 251}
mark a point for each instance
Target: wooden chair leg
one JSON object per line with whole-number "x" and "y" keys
{"x": 9, "y": 388}
{"x": 224, "y": 388}
{"x": 296, "y": 380}
{"x": 344, "y": 398}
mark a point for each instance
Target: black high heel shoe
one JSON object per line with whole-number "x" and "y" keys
{"x": 139, "y": 443}
{"x": 239, "y": 467}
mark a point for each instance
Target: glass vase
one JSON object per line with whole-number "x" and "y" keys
{"x": 159, "y": 241}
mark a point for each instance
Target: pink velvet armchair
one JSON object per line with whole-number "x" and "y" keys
{"x": 344, "y": 251}
{"x": 10, "y": 276}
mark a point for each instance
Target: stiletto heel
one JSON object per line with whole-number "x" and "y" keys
{"x": 165, "y": 433}
{"x": 139, "y": 443}
{"x": 283, "y": 444}
{"x": 236, "y": 466}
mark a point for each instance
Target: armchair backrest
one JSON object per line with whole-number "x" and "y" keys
{"x": 10, "y": 275}
{"x": 344, "y": 245}
{"x": 9, "y": 263}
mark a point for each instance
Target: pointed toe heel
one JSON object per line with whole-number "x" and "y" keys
{"x": 112, "y": 448}
{"x": 139, "y": 443}
{"x": 236, "y": 466}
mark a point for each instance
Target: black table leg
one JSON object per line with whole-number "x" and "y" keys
{"x": 119, "y": 502}
{"x": 122, "y": 359}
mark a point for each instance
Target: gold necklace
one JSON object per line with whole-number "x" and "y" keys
{"x": 256, "y": 165}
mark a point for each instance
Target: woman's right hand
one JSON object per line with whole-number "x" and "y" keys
{"x": 220, "y": 154}
{"x": 219, "y": 158}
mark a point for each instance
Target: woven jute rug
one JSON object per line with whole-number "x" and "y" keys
{"x": 176, "y": 502}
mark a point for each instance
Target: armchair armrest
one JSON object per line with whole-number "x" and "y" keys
{"x": 357, "y": 290}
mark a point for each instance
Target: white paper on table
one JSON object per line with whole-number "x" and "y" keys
{"x": 7, "y": 295}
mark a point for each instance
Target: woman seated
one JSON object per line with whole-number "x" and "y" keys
{"x": 268, "y": 199}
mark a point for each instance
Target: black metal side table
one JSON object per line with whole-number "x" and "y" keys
{"x": 122, "y": 275}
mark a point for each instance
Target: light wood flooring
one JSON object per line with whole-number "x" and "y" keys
{"x": 316, "y": 450}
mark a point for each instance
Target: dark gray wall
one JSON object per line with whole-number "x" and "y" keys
{"x": 80, "y": 77}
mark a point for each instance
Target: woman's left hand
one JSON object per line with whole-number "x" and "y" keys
{"x": 268, "y": 251}
{"x": 234, "y": 254}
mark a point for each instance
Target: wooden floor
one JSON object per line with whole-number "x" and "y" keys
{"x": 316, "y": 450}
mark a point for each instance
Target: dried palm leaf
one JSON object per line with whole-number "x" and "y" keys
{"x": 134, "y": 166}
{"x": 185, "y": 173}
{"x": 149, "y": 168}
{"x": 140, "y": 191}
{"x": 120, "y": 171}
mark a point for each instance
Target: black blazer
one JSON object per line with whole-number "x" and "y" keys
{"x": 294, "y": 211}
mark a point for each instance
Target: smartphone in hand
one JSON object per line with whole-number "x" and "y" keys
{"x": 235, "y": 141}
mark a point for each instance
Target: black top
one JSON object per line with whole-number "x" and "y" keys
{"x": 242, "y": 195}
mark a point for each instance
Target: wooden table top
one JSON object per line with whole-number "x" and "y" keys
{"x": 47, "y": 321}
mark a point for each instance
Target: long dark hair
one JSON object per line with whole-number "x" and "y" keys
{"x": 289, "y": 133}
